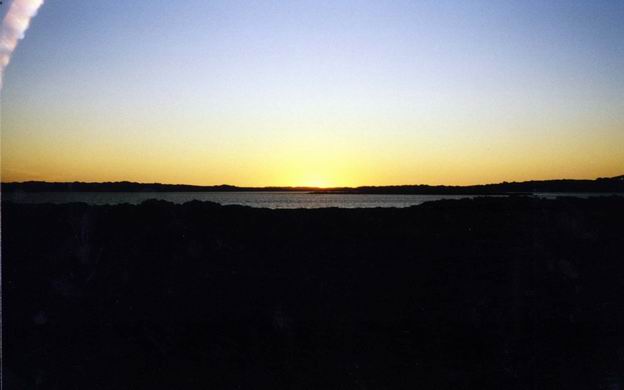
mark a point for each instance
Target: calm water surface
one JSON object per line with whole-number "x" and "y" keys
{"x": 273, "y": 200}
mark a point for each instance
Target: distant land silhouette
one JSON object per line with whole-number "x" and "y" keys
{"x": 605, "y": 185}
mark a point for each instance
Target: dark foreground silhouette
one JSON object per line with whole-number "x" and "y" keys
{"x": 514, "y": 293}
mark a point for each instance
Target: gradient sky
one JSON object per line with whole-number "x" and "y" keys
{"x": 326, "y": 93}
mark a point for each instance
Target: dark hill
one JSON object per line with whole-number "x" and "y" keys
{"x": 509, "y": 293}
{"x": 600, "y": 185}
{"x": 125, "y": 186}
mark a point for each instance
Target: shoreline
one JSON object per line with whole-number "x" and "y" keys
{"x": 599, "y": 185}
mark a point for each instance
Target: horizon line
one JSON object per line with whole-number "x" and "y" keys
{"x": 303, "y": 186}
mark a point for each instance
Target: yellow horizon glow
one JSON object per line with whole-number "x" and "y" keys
{"x": 89, "y": 165}
{"x": 361, "y": 153}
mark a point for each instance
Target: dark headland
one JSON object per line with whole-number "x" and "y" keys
{"x": 486, "y": 293}
{"x": 603, "y": 185}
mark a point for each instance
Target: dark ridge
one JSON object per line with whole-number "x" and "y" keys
{"x": 492, "y": 293}
{"x": 600, "y": 185}
{"x": 126, "y": 186}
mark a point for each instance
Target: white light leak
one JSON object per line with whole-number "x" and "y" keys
{"x": 14, "y": 26}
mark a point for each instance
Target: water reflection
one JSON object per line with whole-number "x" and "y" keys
{"x": 273, "y": 200}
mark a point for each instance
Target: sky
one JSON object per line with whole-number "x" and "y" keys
{"x": 320, "y": 93}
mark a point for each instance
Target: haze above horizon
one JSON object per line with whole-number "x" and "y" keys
{"x": 316, "y": 93}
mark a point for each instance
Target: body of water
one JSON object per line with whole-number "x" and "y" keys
{"x": 273, "y": 200}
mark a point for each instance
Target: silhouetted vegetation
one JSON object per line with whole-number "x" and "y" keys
{"x": 490, "y": 293}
